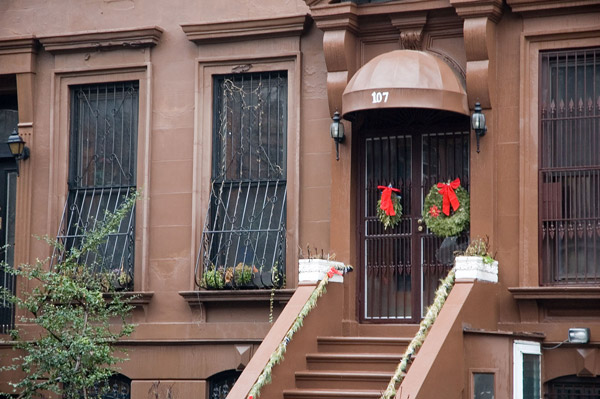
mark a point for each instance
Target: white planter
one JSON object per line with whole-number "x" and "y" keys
{"x": 473, "y": 267}
{"x": 313, "y": 270}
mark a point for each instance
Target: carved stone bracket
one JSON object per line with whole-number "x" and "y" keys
{"x": 411, "y": 29}
{"x": 479, "y": 33}
{"x": 340, "y": 26}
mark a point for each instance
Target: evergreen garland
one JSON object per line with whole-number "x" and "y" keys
{"x": 387, "y": 220}
{"x": 440, "y": 224}
{"x": 277, "y": 356}
{"x": 432, "y": 313}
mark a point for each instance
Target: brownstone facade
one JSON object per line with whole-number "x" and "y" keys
{"x": 436, "y": 60}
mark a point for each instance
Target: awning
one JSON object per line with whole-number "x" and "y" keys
{"x": 405, "y": 79}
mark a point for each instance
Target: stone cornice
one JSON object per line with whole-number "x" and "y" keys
{"x": 491, "y": 9}
{"x": 524, "y": 6}
{"x": 228, "y": 31}
{"x": 102, "y": 40}
{"x": 18, "y": 45}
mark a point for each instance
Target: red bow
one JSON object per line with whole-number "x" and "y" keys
{"x": 450, "y": 198}
{"x": 386, "y": 200}
{"x": 333, "y": 271}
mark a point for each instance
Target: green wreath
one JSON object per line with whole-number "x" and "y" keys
{"x": 387, "y": 220}
{"x": 440, "y": 224}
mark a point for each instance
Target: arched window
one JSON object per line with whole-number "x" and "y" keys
{"x": 221, "y": 383}
{"x": 573, "y": 387}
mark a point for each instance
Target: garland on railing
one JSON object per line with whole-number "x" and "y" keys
{"x": 277, "y": 356}
{"x": 432, "y": 313}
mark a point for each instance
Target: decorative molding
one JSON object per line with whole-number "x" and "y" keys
{"x": 312, "y": 270}
{"x": 135, "y": 298}
{"x": 411, "y": 29}
{"x": 228, "y": 31}
{"x": 525, "y": 6}
{"x": 196, "y": 298}
{"x": 473, "y": 267}
{"x": 18, "y": 45}
{"x": 556, "y": 293}
{"x": 102, "y": 40}
{"x": 491, "y": 9}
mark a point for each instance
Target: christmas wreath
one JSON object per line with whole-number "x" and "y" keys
{"x": 446, "y": 209}
{"x": 389, "y": 209}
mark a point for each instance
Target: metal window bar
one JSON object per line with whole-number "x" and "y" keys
{"x": 243, "y": 242}
{"x": 119, "y": 387}
{"x": 102, "y": 174}
{"x": 566, "y": 388}
{"x": 220, "y": 385}
{"x": 569, "y": 173}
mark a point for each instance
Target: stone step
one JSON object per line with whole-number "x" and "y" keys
{"x": 331, "y": 394}
{"x": 353, "y": 361}
{"x": 335, "y": 379}
{"x": 393, "y": 345}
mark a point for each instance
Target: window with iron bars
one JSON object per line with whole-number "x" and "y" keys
{"x": 117, "y": 386}
{"x": 243, "y": 242}
{"x": 573, "y": 387}
{"x": 219, "y": 385}
{"x": 569, "y": 173}
{"x": 102, "y": 174}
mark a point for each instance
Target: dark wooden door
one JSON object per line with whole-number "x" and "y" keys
{"x": 402, "y": 266}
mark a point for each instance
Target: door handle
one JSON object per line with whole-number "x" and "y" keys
{"x": 420, "y": 228}
{"x": 420, "y": 221}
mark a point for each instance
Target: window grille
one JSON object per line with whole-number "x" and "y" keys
{"x": 102, "y": 174}
{"x": 572, "y": 387}
{"x": 569, "y": 173}
{"x": 118, "y": 386}
{"x": 220, "y": 384}
{"x": 243, "y": 242}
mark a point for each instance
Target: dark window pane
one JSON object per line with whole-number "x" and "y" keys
{"x": 570, "y": 166}
{"x": 531, "y": 376}
{"x": 244, "y": 236}
{"x": 102, "y": 173}
{"x": 483, "y": 386}
{"x": 220, "y": 384}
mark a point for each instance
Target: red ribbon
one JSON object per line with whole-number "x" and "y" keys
{"x": 450, "y": 198}
{"x": 386, "y": 200}
{"x": 333, "y": 271}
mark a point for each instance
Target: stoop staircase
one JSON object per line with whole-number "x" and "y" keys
{"x": 349, "y": 367}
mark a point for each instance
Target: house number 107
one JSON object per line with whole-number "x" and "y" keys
{"x": 379, "y": 96}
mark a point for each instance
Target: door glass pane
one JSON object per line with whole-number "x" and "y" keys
{"x": 388, "y": 274}
{"x": 531, "y": 376}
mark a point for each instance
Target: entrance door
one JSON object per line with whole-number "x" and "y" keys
{"x": 402, "y": 266}
{"x": 8, "y": 195}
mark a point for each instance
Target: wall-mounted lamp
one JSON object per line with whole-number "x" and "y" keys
{"x": 337, "y": 133}
{"x": 478, "y": 123}
{"x": 17, "y": 147}
{"x": 579, "y": 335}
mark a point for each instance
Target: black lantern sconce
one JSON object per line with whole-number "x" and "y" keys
{"x": 478, "y": 123}
{"x": 17, "y": 147}
{"x": 337, "y": 133}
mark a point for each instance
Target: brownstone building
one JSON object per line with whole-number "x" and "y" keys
{"x": 220, "y": 113}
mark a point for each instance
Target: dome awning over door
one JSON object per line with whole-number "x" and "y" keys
{"x": 405, "y": 79}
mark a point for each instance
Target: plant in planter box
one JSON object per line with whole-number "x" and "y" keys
{"x": 229, "y": 277}
{"x": 476, "y": 262}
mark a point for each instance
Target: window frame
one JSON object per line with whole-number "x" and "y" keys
{"x": 60, "y": 141}
{"x": 229, "y": 153}
{"x": 533, "y": 41}
{"x": 521, "y": 348}
{"x": 207, "y": 70}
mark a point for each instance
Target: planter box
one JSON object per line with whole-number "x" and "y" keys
{"x": 313, "y": 270}
{"x": 473, "y": 267}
